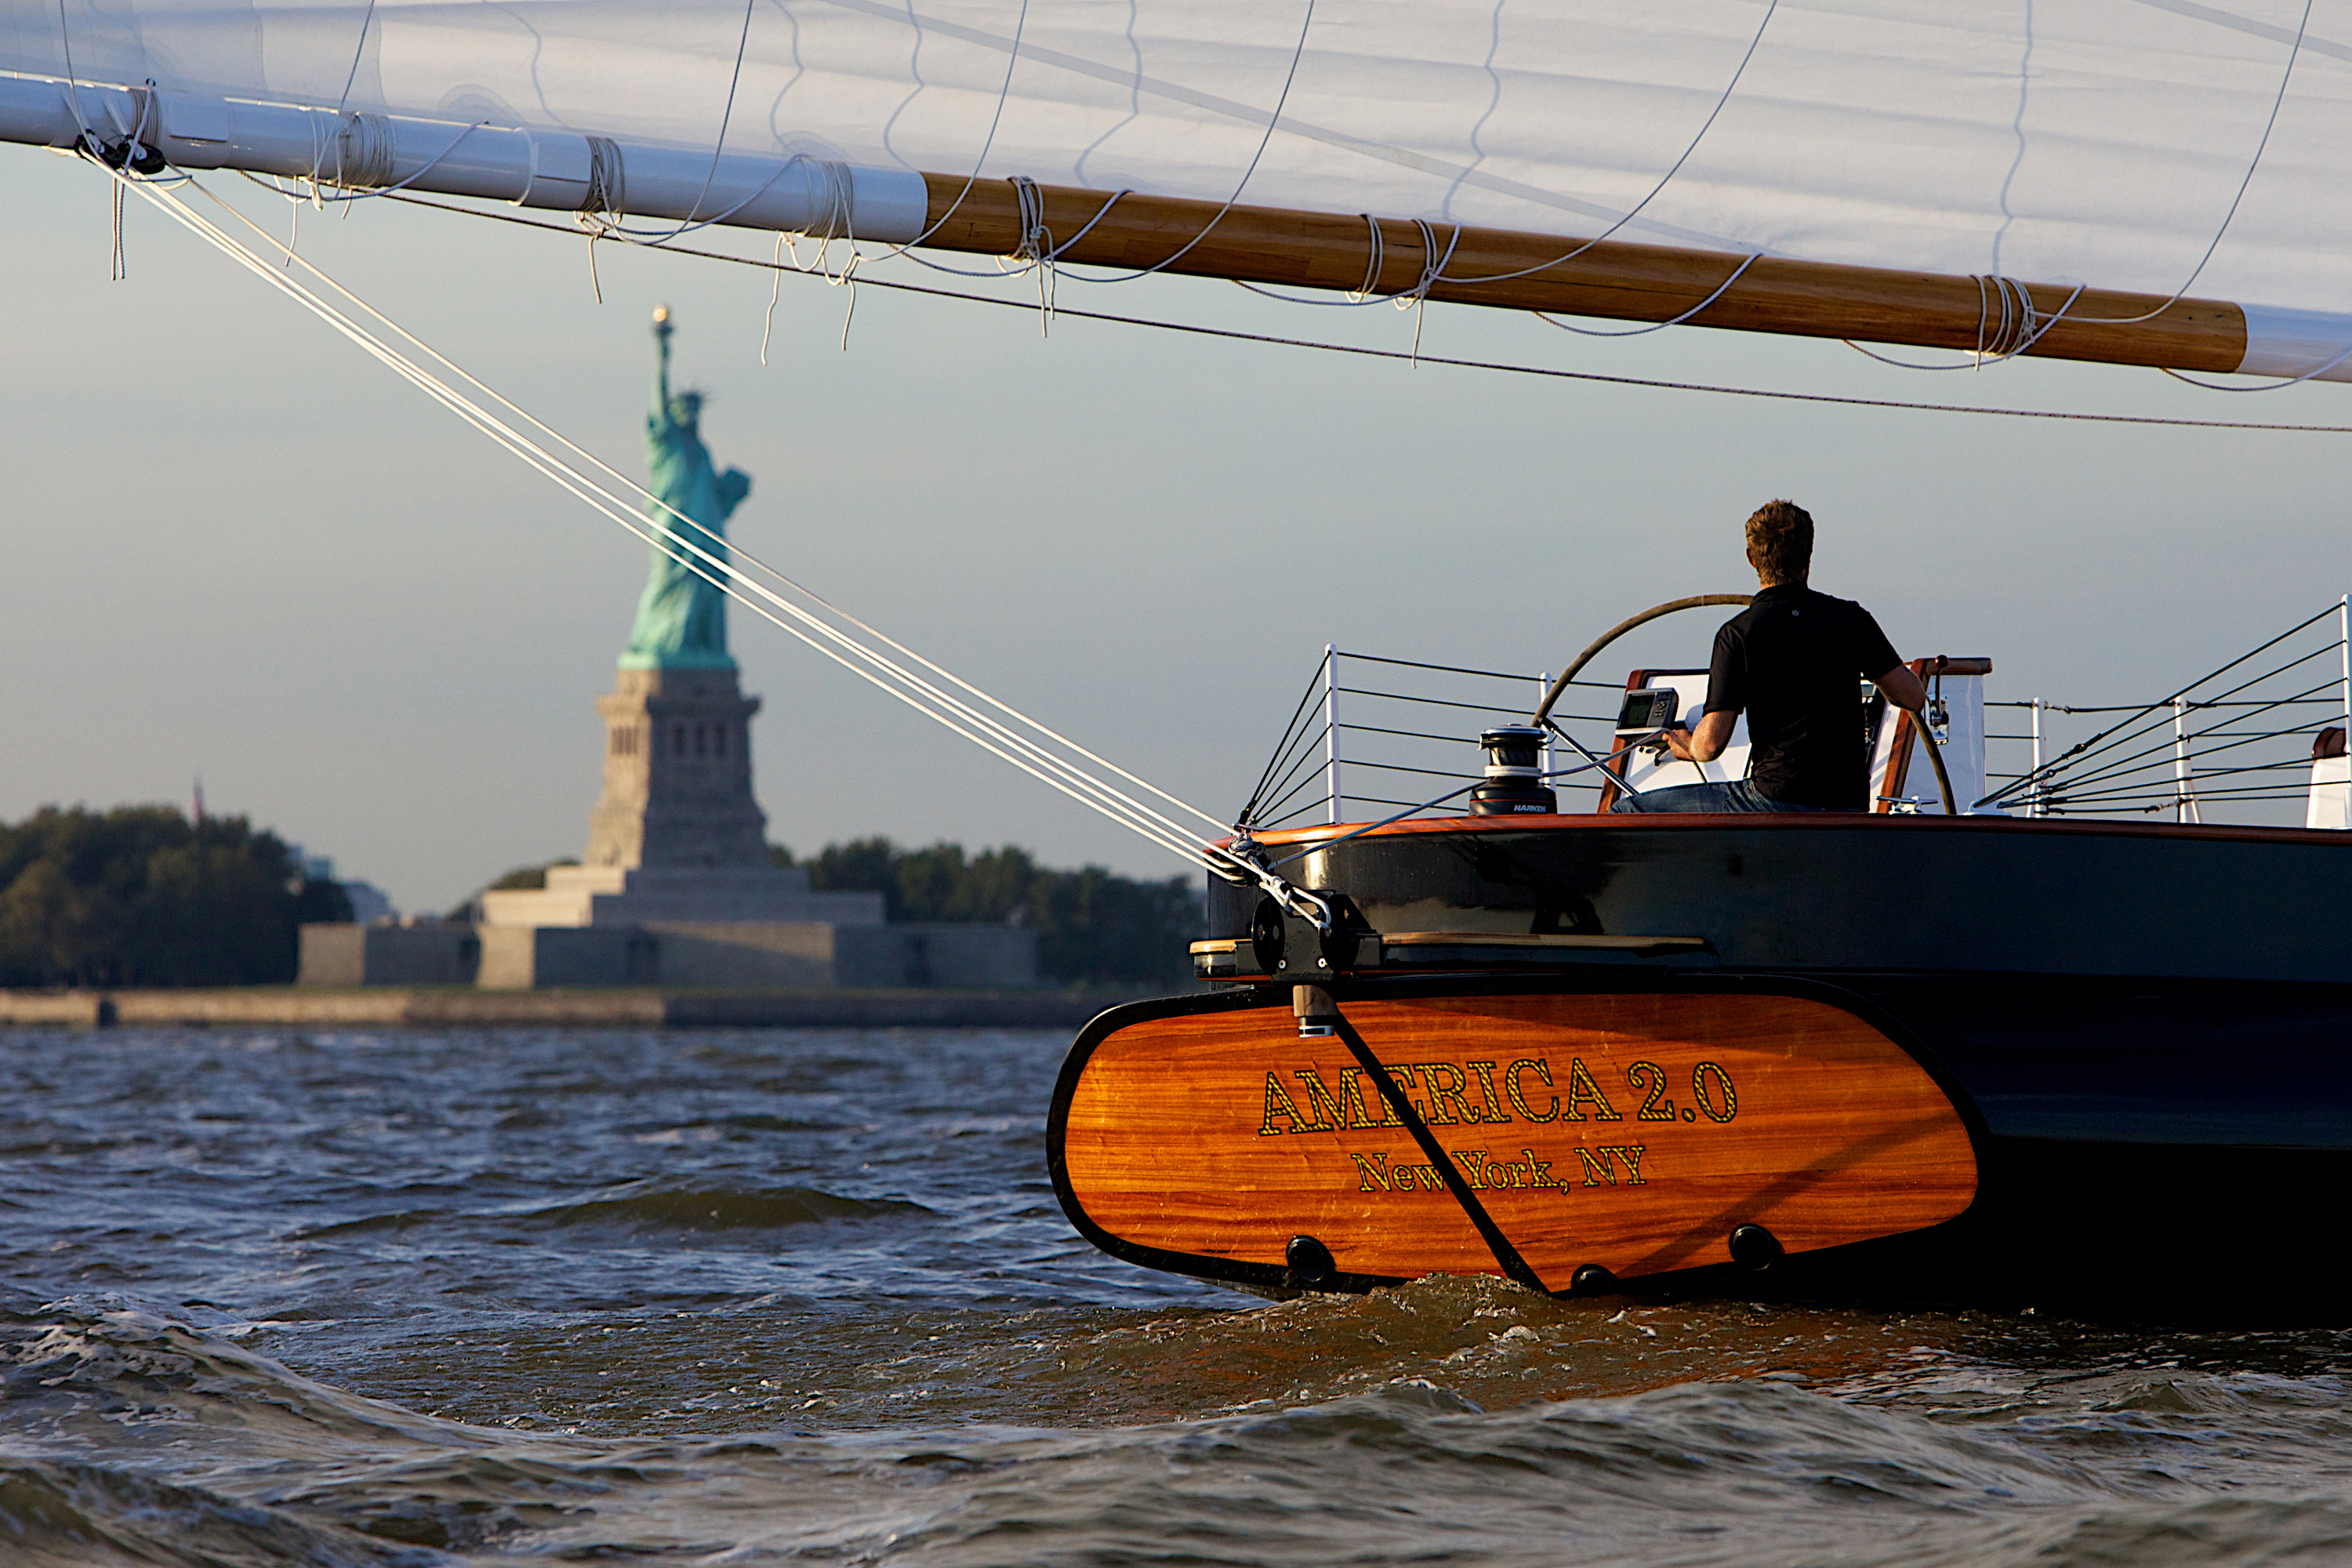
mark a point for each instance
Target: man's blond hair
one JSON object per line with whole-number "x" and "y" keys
{"x": 1781, "y": 543}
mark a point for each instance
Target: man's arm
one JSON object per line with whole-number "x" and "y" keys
{"x": 1705, "y": 744}
{"x": 1902, "y": 687}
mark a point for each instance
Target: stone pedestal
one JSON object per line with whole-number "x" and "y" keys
{"x": 609, "y": 896}
{"x": 677, "y": 773}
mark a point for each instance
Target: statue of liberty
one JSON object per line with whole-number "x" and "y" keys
{"x": 682, "y": 616}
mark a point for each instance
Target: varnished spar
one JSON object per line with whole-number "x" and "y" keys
{"x": 1612, "y": 280}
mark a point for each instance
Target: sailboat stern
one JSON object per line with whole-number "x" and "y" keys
{"x": 1593, "y": 1137}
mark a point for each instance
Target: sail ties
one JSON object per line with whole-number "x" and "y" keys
{"x": 364, "y": 152}
{"x": 1034, "y": 248}
{"x": 1433, "y": 268}
{"x": 2008, "y": 324}
{"x": 1373, "y": 258}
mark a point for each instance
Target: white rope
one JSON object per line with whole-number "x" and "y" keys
{"x": 2227, "y": 218}
{"x": 1663, "y": 179}
{"x": 997, "y": 738}
{"x": 1720, "y": 289}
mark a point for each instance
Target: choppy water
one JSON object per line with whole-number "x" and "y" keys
{"x": 782, "y": 1296}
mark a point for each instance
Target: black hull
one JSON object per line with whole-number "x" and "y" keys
{"x": 2147, "y": 1028}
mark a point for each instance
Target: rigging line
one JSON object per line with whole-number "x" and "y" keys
{"x": 2046, "y": 771}
{"x": 1663, "y": 179}
{"x": 1003, "y": 95}
{"x": 1301, "y": 755}
{"x": 2268, "y": 386}
{"x": 2161, "y": 753}
{"x": 1127, "y": 811}
{"x": 2226, "y": 218}
{"x": 2032, "y": 334}
{"x": 726, "y": 118}
{"x": 1441, "y": 800}
{"x": 1282, "y": 746}
{"x": 359, "y": 50}
{"x": 1274, "y": 120}
{"x": 1549, "y": 372}
{"x": 1661, "y": 326}
{"x": 1445, "y": 669}
{"x": 1293, "y": 780}
{"x": 316, "y": 197}
{"x": 606, "y": 504}
{"x": 2160, "y": 716}
{"x": 738, "y": 553}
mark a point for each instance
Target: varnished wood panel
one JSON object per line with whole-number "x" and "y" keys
{"x": 1633, "y": 1131}
{"x": 1612, "y": 280}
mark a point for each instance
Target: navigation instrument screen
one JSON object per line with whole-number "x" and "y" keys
{"x": 1648, "y": 708}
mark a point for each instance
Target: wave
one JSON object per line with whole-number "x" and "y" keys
{"x": 665, "y": 1206}
{"x": 658, "y": 1205}
{"x": 58, "y": 1513}
{"x": 220, "y": 1457}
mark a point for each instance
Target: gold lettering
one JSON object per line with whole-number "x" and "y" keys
{"x": 1372, "y": 1174}
{"x": 1494, "y": 1112}
{"x": 1538, "y": 1170}
{"x": 1404, "y": 1077}
{"x": 1352, "y": 1103}
{"x": 1597, "y": 1171}
{"x": 1474, "y": 1166}
{"x": 1320, "y": 1101}
{"x": 1447, "y": 1086}
{"x": 1631, "y": 1155}
{"x": 1583, "y": 1090}
{"x": 1277, "y": 1103}
{"x": 1519, "y": 1097}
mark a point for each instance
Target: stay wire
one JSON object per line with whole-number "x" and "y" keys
{"x": 736, "y": 552}
{"x": 2101, "y": 740}
{"x": 954, "y": 715}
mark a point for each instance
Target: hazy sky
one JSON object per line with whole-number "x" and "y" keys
{"x": 236, "y": 548}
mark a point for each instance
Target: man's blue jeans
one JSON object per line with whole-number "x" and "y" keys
{"x": 1737, "y": 796}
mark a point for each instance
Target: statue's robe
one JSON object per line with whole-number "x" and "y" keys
{"x": 681, "y": 616}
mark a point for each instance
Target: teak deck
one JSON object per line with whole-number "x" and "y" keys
{"x": 1631, "y": 1130}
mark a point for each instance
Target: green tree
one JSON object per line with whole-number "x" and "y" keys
{"x": 140, "y": 895}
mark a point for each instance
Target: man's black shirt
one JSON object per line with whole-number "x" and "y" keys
{"x": 1794, "y": 661}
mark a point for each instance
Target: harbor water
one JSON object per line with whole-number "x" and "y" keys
{"x": 781, "y": 1296}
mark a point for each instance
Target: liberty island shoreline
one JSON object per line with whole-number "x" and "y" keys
{"x": 465, "y": 1006}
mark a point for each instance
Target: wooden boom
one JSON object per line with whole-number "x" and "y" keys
{"x": 1612, "y": 279}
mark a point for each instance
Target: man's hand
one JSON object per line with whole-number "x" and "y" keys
{"x": 1707, "y": 742}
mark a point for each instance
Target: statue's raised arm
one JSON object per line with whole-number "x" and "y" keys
{"x": 660, "y": 414}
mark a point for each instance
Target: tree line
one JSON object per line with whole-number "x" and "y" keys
{"x": 1093, "y": 926}
{"x": 141, "y": 896}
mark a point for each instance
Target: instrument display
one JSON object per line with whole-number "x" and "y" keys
{"x": 1648, "y": 708}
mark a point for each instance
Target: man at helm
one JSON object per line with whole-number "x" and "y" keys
{"x": 1793, "y": 661}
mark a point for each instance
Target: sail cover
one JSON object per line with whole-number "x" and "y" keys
{"x": 2105, "y": 141}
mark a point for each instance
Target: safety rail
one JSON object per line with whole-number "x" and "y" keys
{"x": 1369, "y": 739}
{"x": 2244, "y": 735}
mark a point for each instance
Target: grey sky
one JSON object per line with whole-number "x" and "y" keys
{"x": 237, "y": 548}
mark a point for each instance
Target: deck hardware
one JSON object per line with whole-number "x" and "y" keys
{"x": 1318, "y": 1015}
{"x": 1308, "y": 1263}
{"x": 1592, "y": 1279}
{"x": 1514, "y": 783}
{"x": 1754, "y": 1247}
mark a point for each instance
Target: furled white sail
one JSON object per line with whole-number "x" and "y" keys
{"x": 2104, "y": 141}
